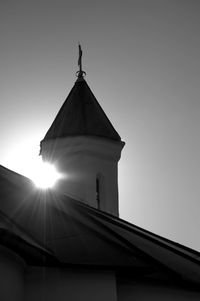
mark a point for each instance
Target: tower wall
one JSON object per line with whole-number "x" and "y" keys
{"x": 90, "y": 169}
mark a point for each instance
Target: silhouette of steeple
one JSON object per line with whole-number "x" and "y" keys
{"x": 81, "y": 113}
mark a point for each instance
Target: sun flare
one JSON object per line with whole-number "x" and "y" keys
{"x": 24, "y": 159}
{"x": 45, "y": 175}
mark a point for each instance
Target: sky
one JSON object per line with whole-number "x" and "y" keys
{"x": 142, "y": 59}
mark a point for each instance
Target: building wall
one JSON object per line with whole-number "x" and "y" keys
{"x": 22, "y": 283}
{"x": 144, "y": 292}
{"x": 52, "y": 284}
{"x": 11, "y": 276}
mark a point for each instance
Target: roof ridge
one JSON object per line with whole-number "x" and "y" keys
{"x": 193, "y": 254}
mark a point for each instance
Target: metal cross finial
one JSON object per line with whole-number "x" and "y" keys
{"x": 80, "y": 73}
{"x": 80, "y": 57}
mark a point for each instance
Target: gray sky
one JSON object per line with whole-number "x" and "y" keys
{"x": 142, "y": 63}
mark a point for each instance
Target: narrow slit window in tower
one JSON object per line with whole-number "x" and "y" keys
{"x": 97, "y": 193}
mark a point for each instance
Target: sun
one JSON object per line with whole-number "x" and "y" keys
{"x": 45, "y": 175}
{"x": 23, "y": 158}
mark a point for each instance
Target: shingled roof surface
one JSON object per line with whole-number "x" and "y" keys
{"x": 81, "y": 114}
{"x": 37, "y": 223}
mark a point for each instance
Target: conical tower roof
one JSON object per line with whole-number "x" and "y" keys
{"x": 81, "y": 114}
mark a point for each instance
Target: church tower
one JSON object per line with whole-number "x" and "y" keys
{"x": 85, "y": 147}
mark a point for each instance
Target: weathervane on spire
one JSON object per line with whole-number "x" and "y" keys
{"x": 80, "y": 73}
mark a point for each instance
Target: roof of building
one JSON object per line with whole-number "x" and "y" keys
{"x": 81, "y": 114}
{"x": 38, "y": 224}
